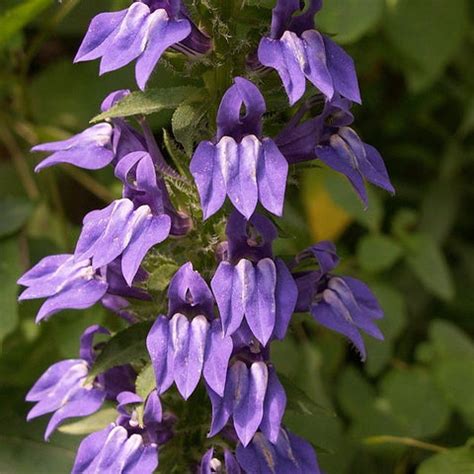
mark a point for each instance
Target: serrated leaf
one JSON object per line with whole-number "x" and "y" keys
{"x": 145, "y": 382}
{"x": 160, "y": 278}
{"x": 428, "y": 263}
{"x": 184, "y": 122}
{"x": 123, "y": 348}
{"x": 377, "y": 252}
{"x": 179, "y": 158}
{"x": 95, "y": 422}
{"x": 14, "y": 212}
{"x": 150, "y": 101}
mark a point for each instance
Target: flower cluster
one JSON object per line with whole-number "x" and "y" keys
{"x": 214, "y": 335}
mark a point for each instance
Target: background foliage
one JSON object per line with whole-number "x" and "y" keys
{"x": 410, "y": 409}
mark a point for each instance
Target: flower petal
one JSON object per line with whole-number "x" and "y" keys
{"x": 286, "y": 295}
{"x": 89, "y": 448}
{"x": 91, "y": 149}
{"x": 260, "y": 305}
{"x": 189, "y": 350}
{"x": 207, "y": 174}
{"x": 159, "y": 347}
{"x": 249, "y": 393}
{"x": 272, "y": 173}
{"x": 342, "y": 69}
{"x": 128, "y": 40}
{"x": 151, "y": 231}
{"x": 101, "y": 30}
{"x": 163, "y": 33}
{"x": 81, "y": 294}
{"x": 227, "y": 288}
{"x": 216, "y": 360}
{"x": 277, "y": 55}
{"x": 84, "y": 402}
{"x": 274, "y": 407}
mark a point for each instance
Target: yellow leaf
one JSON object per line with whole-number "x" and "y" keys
{"x": 326, "y": 220}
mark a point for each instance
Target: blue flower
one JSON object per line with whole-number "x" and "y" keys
{"x": 298, "y": 52}
{"x": 144, "y": 31}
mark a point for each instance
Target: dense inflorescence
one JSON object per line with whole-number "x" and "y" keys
{"x": 202, "y": 391}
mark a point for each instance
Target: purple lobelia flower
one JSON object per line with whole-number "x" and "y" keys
{"x": 211, "y": 464}
{"x": 240, "y": 164}
{"x": 64, "y": 388}
{"x": 298, "y": 52}
{"x": 97, "y": 146}
{"x": 289, "y": 453}
{"x": 182, "y": 349}
{"x": 67, "y": 283}
{"x": 250, "y": 284}
{"x": 343, "y": 304}
{"x": 144, "y": 31}
{"x": 329, "y": 138}
{"x": 130, "y": 226}
{"x": 253, "y": 397}
{"x": 90, "y": 149}
{"x": 127, "y": 446}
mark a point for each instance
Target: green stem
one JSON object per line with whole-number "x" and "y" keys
{"x": 58, "y": 207}
{"x": 373, "y": 440}
{"x": 48, "y": 29}
{"x": 20, "y": 164}
{"x": 89, "y": 183}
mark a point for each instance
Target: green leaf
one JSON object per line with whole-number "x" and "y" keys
{"x": 440, "y": 206}
{"x": 146, "y": 382}
{"x": 428, "y": 263}
{"x": 391, "y": 325}
{"x": 395, "y": 311}
{"x": 150, "y": 101}
{"x": 21, "y": 454}
{"x": 68, "y": 329}
{"x": 456, "y": 380}
{"x": 455, "y": 461}
{"x": 377, "y": 252}
{"x": 412, "y": 398}
{"x": 450, "y": 342}
{"x": 53, "y": 103}
{"x": 426, "y": 34}
{"x": 9, "y": 273}
{"x": 185, "y": 122}
{"x": 160, "y": 278}
{"x": 95, "y": 422}
{"x": 14, "y": 212}
{"x": 342, "y": 194}
{"x": 348, "y": 20}
{"x": 299, "y": 401}
{"x": 16, "y": 18}
{"x": 354, "y": 393}
{"x": 123, "y": 348}
{"x": 23, "y": 449}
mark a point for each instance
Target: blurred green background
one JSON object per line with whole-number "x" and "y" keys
{"x": 410, "y": 408}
